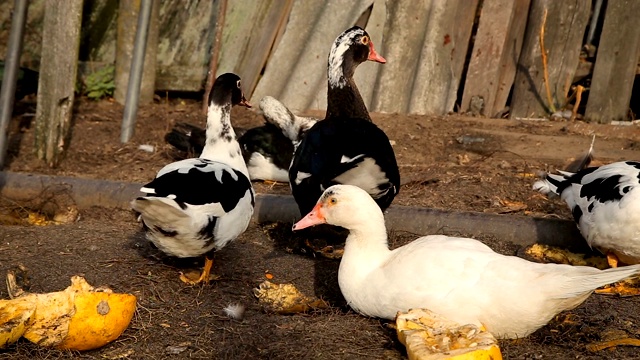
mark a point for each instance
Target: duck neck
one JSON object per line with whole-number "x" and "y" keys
{"x": 343, "y": 97}
{"x": 221, "y": 144}
{"x": 367, "y": 245}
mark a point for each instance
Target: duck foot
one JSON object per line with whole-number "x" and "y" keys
{"x": 601, "y": 345}
{"x": 195, "y": 278}
{"x": 612, "y": 260}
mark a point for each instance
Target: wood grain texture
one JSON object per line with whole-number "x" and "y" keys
{"x": 60, "y": 47}
{"x": 616, "y": 63}
{"x": 495, "y": 52}
{"x": 564, "y": 31}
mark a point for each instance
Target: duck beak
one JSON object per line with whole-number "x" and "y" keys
{"x": 373, "y": 55}
{"x": 315, "y": 217}
{"x": 244, "y": 102}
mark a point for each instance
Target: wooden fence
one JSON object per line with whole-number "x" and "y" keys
{"x": 495, "y": 58}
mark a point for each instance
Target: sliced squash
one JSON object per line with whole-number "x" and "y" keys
{"x": 80, "y": 317}
{"x": 429, "y": 336}
{"x": 14, "y": 315}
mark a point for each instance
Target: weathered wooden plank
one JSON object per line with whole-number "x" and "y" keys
{"x": 425, "y": 42}
{"x": 128, "y": 12}
{"x": 492, "y": 59}
{"x": 270, "y": 16}
{"x": 616, "y": 63}
{"x": 565, "y": 26}
{"x": 297, "y": 69}
{"x": 60, "y": 46}
{"x": 511, "y": 55}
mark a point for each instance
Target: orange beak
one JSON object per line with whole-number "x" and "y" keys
{"x": 315, "y": 217}
{"x": 373, "y": 55}
{"x": 244, "y": 102}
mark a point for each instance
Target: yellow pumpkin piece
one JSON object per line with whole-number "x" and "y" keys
{"x": 429, "y": 336}
{"x": 49, "y": 323}
{"x": 285, "y": 298}
{"x": 79, "y": 317}
{"x": 37, "y": 219}
{"x": 546, "y": 253}
{"x": 99, "y": 319}
{"x": 14, "y": 314}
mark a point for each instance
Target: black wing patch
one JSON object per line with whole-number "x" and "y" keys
{"x": 197, "y": 187}
{"x": 321, "y": 152}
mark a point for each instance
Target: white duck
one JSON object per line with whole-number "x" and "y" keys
{"x": 197, "y": 206}
{"x": 605, "y": 203}
{"x": 459, "y": 278}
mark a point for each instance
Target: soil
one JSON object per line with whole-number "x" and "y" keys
{"x": 453, "y": 162}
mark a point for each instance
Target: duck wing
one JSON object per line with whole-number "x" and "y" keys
{"x": 344, "y": 151}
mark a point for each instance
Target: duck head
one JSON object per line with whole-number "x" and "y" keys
{"x": 228, "y": 88}
{"x": 350, "y": 49}
{"x": 343, "y": 205}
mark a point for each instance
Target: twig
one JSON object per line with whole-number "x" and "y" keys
{"x": 578, "y": 94}
{"x": 544, "y": 63}
{"x": 215, "y": 51}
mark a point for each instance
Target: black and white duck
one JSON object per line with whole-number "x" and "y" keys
{"x": 196, "y": 206}
{"x": 605, "y": 203}
{"x": 346, "y": 147}
{"x": 267, "y": 149}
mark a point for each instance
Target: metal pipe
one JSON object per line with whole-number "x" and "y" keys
{"x": 594, "y": 21}
{"x": 135, "y": 74}
{"x": 10, "y": 76}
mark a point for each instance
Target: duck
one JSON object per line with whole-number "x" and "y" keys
{"x": 26, "y": 82}
{"x": 346, "y": 147}
{"x": 605, "y": 204}
{"x": 267, "y": 149}
{"x": 459, "y": 278}
{"x": 197, "y": 206}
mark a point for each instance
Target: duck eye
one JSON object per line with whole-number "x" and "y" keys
{"x": 238, "y": 84}
{"x": 364, "y": 40}
{"x": 333, "y": 201}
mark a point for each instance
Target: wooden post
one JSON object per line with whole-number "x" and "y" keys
{"x": 563, "y": 34}
{"x": 128, "y": 12}
{"x": 58, "y": 70}
{"x": 616, "y": 61}
{"x": 495, "y": 53}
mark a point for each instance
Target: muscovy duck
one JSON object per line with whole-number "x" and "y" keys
{"x": 267, "y": 149}
{"x": 459, "y": 278}
{"x": 605, "y": 203}
{"x": 345, "y": 147}
{"x": 197, "y": 206}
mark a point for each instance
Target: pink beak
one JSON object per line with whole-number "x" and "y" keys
{"x": 315, "y": 217}
{"x": 373, "y": 55}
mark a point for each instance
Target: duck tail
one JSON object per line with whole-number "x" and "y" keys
{"x": 160, "y": 212}
{"x": 551, "y": 182}
{"x": 589, "y": 279}
{"x": 293, "y": 127}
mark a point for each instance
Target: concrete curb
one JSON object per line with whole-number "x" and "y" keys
{"x": 521, "y": 230}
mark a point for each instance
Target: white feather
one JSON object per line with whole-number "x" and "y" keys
{"x": 235, "y": 311}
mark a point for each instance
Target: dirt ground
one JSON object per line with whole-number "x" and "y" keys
{"x": 455, "y": 163}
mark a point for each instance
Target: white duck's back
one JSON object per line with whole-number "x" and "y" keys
{"x": 465, "y": 281}
{"x": 458, "y": 278}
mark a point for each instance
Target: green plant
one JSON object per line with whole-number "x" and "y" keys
{"x": 100, "y": 83}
